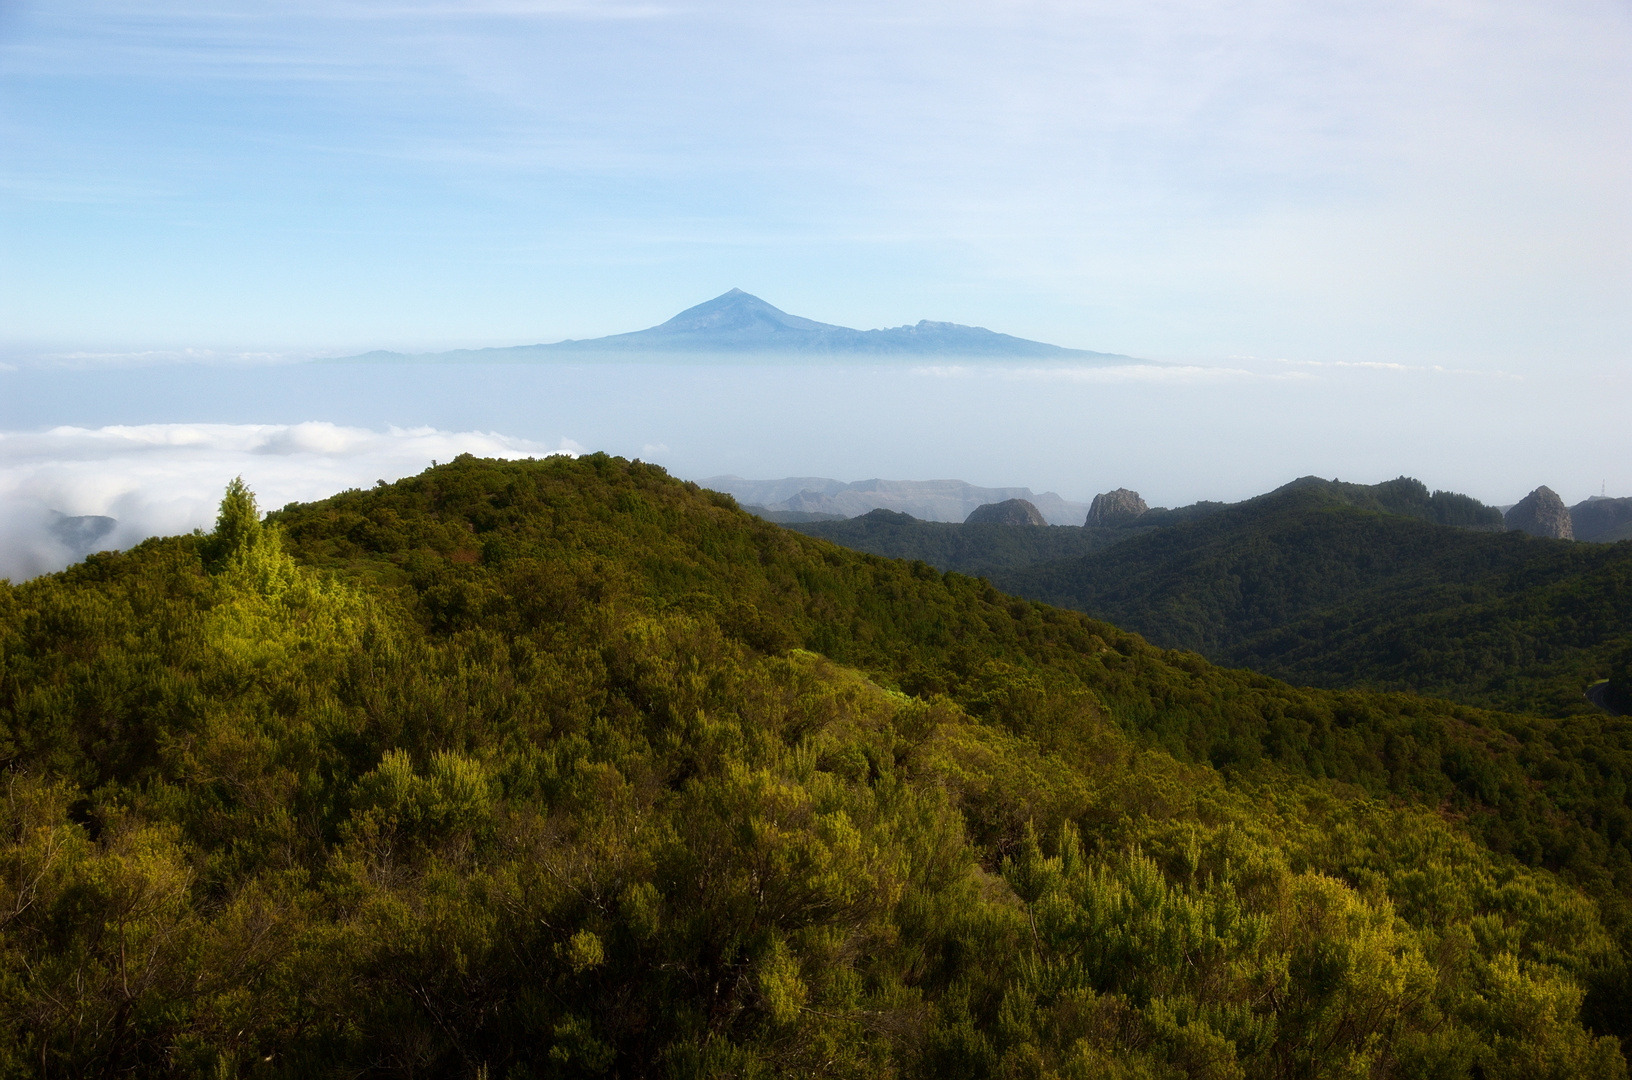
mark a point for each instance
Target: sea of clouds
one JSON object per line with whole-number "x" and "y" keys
{"x": 71, "y": 490}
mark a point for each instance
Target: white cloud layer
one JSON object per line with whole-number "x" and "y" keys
{"x": 1388, "y": 365}
{"x": 162, "y": 479}
{"x": 1076, "y": 373}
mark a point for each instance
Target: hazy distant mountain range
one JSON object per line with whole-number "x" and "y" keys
{"x": 798, "y": 500}
{"x": 816, "y": 498}
{"x": 738, "y": 323}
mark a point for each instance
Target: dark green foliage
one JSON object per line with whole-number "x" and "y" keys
{"x": 1323, "y": 584}
{"x": 1323, "y": 594}
{"x": 1406, "y": 497}
{"x": 977, "y": 550}
{"x": 564, "y": 768}
{"x": 1161, "y": 515}
{"x": 1618, "y": 691}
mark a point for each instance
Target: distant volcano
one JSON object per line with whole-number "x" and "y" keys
{"x": 743, "y": 324}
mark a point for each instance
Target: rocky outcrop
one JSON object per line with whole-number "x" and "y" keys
{"x": 1115, "y": 508}
{"x": 1541, "y": 513}
{"x": 1008, "y": 512}
{"x": 1602, "y": 519}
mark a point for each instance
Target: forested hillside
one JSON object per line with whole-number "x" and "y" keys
{"x": 1328, "y": 595}
{"x": 565, "y": 768}
{"x": 1322, "y": 584}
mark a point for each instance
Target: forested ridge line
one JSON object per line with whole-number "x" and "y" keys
{"x": 1324, "y": 594}
{"x": 987, "y": 550}
{"x": 566, "y": 768}
{"x": 1321, "y": 585}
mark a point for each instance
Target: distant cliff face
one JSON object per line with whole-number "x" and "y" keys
{"x": 1115, "y": 508}
{"x": 1602, "y": 519}
{"x": 1542, "y": 513}
{"x": 1009, "y": 512}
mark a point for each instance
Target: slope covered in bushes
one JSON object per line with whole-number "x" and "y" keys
{"x": 564, "y": 768}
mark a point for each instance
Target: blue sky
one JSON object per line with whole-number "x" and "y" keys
{"x": 1374, "y": 238}
{"x": 1406, "y": 181}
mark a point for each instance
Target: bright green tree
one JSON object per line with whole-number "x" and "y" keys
{"x": 238, "y": 528}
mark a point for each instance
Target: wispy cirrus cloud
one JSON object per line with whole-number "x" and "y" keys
{"x": 162, "y": 479}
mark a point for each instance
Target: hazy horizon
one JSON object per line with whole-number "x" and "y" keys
{"x": 154, "y": 445}
{"x": 1364, "y": 241}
